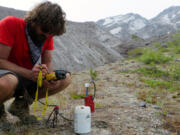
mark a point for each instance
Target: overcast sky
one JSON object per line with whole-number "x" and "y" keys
{"x": 93, "y": 10}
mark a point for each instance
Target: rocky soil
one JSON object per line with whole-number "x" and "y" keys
{"x": 118, "y": 111}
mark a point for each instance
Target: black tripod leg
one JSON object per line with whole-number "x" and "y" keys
{"x": 49, "y": 117}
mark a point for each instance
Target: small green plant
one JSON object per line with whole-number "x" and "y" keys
{"x": 151, "y": 99}
{"x": 147, "y": 96}
{"x": 161, "y": 102}
{"x": 99, "y": 105}
{"x": 93, "y": 74}
{"x": 77, "y": 96}
{"x": 163, "y": 113}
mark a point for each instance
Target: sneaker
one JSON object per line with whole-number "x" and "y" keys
{"x": 4, "y": 124}
{"x": 2, "y": 114}
{"x": 20, "y": 108}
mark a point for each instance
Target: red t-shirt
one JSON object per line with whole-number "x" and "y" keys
{"x": 12, "y": 33}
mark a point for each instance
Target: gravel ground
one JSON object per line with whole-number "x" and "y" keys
{"x": 118, "y": 111}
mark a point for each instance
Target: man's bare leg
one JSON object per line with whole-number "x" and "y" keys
{"x": 8, "y": 84}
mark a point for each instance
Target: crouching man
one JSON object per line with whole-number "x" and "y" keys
{"x": 22, "y": 43}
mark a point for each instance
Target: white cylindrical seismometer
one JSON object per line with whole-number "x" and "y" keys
{"x": 82, "y": 119}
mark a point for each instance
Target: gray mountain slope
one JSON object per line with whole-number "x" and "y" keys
{"x": 4, "y": 11}
{"x": 84, "y": 45}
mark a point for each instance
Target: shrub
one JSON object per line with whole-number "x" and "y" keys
{"x": 136, "y": 52}
{"x": 175, "y": 71}
{"x": 134, "y": 36}
{"x": 157, "y": 83}
{"x": 158, "y": 44}
{"x": 175, "y": 43}
{"x": 152, "y": 71}
{"x": 157, "y": 57}
{"x": 176, "y": 38}
{"x": 177, "y": 49}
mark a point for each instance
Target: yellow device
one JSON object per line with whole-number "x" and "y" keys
{"x": 51, "y": 76}
{"x": 56, "y": 75}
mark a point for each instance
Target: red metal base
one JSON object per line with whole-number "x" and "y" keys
{"x": 89, "y": 102}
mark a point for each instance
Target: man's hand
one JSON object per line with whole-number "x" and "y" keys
{"x": 50, "y": 84}
{"x": 36, "y": 69}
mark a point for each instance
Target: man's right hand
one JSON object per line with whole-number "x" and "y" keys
{"x": 36, "y": 69}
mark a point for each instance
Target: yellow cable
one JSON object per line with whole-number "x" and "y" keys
{"x": 39, "y": 85}
{"x": 45, "y": 106}
{"x": 35, "y": 101}
{"x": 40, "y": 80}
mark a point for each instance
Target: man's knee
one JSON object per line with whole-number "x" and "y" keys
{"x": 8, "y": 84}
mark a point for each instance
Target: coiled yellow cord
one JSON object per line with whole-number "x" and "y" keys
{"x": 39, "y": 85}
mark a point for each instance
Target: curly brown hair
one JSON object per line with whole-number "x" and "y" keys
{"x": 49, "y": 16}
